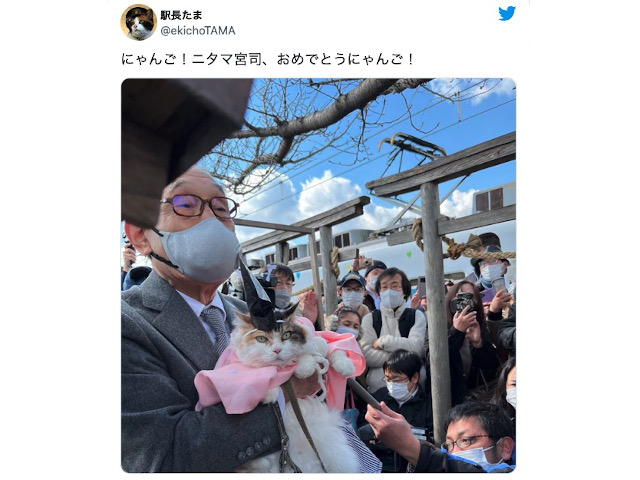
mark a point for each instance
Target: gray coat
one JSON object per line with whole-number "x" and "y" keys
{"x": 164, "y": 345}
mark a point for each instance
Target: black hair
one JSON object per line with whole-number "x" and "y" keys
{"x": 390, "y": 272}
{"x": 493, "y": 419}
{"x": 403, "y": 361}
{"x": 499, "y": 395}
{"x": 283, "y": 269}
{"x": 477, "y": 299}
{"x": 341, "y": 312}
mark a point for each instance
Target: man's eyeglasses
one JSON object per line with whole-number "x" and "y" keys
{"x": 353, "y": 289}
{"x": 463, "y": 443}
{"x": 284, "y": 284}
{"x": 193, "y": 206}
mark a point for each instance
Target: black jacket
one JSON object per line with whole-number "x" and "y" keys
{"x": 418, "y": 411}
{"x": 437, "y": 461}
{"x": 484, "y": 363}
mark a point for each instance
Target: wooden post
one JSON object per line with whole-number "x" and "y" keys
{"x": 330, "y": 282}
{"x": 316, "y": 279}
{"x": 282, "y": 253}
{"x": 436, "y": 315}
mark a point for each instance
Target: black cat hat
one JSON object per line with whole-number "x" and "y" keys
{"x": 261, "y": 309}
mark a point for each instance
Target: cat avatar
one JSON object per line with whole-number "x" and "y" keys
{"x": 140, "y": 23}
{"x": 266, "y": 349}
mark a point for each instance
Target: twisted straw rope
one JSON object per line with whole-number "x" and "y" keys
{"x": 472, "y": 249}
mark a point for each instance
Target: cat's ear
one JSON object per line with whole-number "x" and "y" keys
{"x": 150, "y": 14}
{"x": 245, "y": 318}
{"x": 291, "y": 310}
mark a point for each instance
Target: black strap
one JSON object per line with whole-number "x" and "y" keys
{"x": 405, "y": 322}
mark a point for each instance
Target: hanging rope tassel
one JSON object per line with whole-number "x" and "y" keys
{"x": 472, "y": 249}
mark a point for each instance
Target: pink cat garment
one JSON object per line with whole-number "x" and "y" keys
{"x": 241, "y": 388}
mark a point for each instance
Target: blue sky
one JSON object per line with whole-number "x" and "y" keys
{"x": 323, "y": 183}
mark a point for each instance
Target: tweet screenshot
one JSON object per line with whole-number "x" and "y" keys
{"x": 318, "y": 251}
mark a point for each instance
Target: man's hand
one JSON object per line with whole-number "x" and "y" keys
{"x": 356, "y": 264}
{"x": 303, "y": 386}
{"x": 500, "y": 301}
{"x": 475, "y": 335}
{"x": 415, "y": 301}
{"x": 464, "y": 319}
{"x": 128, "y": 256}
{"x": 310, "y": 308}
{"x": 394, "y": 431}
{"x": 376, "y": 344}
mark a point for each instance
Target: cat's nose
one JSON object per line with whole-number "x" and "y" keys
{"x": 277, "y": 350}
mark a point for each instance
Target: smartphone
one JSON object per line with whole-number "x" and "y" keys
{"x": 498, "y": 284}
{"x": 463, "y": 299}
{"x": 422, "y": 287}
{"x": 362, "y": 393}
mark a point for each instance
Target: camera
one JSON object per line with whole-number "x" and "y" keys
{"x": 463, "y": 299}
{"x": 367, "y": 262}
{"x": 271, "y": 283}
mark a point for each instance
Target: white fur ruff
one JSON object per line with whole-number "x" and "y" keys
{"x": 328, "y": 437}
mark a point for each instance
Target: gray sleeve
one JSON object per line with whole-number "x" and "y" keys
{"x": 161, "y": 431}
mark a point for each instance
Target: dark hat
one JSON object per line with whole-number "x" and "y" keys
{"x": 490, "y": 249}
{"x": 353, "y": 276}
{"x": 376, "y": 264}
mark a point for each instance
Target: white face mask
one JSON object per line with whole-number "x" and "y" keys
{"x": 391, "y": 298}
{"x": 208, "y": 252}
{"x": 476, "y": 455}
{"x": 352, "y": 331}
{"x": 511, "y": 397}
{"x": 372, "y": 283}
{"x": 491, "y": 272}
{"x": 399, "y": 391}
{"x": 352, "y": 299}
{"x": 283, "y": 298}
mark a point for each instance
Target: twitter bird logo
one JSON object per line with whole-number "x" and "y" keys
{"x": 506, "y": 14}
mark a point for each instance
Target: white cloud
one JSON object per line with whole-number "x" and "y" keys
{"x": 477, "y": 93}
{"x": 458, "y": 204}
{"x": 322, "y": 194}
{"x": 317, "y": 195}
{"x": 268, "y": 204}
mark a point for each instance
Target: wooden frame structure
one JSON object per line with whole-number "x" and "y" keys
{"x": 426, "y": 178}
{"x": 322, "y": 222}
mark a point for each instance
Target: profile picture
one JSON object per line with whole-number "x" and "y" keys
{"x": 138, "y": 22}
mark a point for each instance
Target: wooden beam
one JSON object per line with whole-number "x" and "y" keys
{"x": 476, "y": 220}
{"x": 302, "y": 264}
{"x": 484, "y": 155}
{"x": 315, "y": 271}
{"x": 339, "y": 214}
{"x": 274, "y": 226}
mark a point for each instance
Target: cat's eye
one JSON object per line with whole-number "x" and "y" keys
{"x": 261, "y": 339}
{"x": 286, "y": 335}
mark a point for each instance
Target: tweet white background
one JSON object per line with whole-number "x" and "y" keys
{"x": 577, "y": 201}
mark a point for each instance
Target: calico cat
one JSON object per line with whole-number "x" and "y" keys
{"x": 140, "y": 23}
{"x": 283, "y": 346}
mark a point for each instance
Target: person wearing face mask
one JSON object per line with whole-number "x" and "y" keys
{"x": 487, "y": 270}
{"x": 473, "y": 359}
{"x": 392, "y": 327}
{"x": 177, "y": 323}
{"x": 372, "y": 298}
{"x": 479, "y": 439}
{"x": 352, "y": 291}
{"x": 504, "y": 392}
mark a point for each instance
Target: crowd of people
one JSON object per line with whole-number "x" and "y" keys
{"x": 168, "y": 336}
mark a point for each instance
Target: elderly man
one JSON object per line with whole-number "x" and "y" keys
{"x": 479, "y": 437}
{"x": 176, "y": 324}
